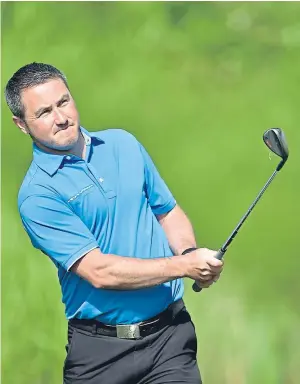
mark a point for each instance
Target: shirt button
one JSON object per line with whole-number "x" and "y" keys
{"x": 68, "y": 157}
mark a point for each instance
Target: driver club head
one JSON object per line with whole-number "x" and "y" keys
{"x": 275, "y": 140}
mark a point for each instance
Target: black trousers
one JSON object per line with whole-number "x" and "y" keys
{"x": 167, "y": 356}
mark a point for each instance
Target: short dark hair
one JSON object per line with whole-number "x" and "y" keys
{"x": 28, "y": 76}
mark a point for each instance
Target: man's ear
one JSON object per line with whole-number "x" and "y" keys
{"x": 20, "y": 124}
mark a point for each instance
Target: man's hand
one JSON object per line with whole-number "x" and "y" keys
{"x": 208, "y": 283}
{"x": 204, "y": 267}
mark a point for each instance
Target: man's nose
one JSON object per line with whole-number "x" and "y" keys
{"x": 60, "y": 118}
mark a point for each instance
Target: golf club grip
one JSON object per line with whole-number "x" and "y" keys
{"x": 219, "y": 256}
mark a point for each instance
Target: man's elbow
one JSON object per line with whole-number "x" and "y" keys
{"x": 97, "y": 275}
{"x": 100, "y": 280}
{"x": 97, "y": 282}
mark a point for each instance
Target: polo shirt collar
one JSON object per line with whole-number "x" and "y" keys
{"x": 50, "y": 162}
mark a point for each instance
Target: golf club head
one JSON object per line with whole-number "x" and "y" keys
{"x": 275, "y": 140}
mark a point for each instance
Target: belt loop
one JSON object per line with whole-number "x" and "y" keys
{"x": 94, "y": 329}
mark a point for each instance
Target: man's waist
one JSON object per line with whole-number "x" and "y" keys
{"x": 120, "y": 307}
{"x": 130, "y": 331}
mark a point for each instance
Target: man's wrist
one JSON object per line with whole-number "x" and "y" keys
{"x": 188, "y": 261}
{"x": 188, "y": 250}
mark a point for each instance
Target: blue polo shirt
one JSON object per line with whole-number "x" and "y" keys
{"x": 109, "y": 200}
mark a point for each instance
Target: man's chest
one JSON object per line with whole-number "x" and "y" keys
{"x": 98, "y": 190}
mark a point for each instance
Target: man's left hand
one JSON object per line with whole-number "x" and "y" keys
{"x": 208, "y": 283}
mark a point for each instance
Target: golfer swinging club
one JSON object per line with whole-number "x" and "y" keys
{"x": 95, "y": 204}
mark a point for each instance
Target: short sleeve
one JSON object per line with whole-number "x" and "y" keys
{"x": 160, "y": 197}
{"x": 56, "y": 230}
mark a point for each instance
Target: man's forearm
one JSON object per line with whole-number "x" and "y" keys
{"x": 118, "y": 272}
{"x": 178, "y": 229}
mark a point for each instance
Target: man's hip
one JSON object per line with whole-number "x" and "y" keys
{"x": 131, "y": 331}
{"x": 164, "y": 347}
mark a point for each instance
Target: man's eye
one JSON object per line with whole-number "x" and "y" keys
{"x": 44, "y": 113}
{"x": 64, "y": 102}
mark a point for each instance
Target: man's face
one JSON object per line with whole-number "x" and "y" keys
{"x": 51, "y": 117}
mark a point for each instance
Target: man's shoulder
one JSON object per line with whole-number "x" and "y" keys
{"x": 33, "y": 184}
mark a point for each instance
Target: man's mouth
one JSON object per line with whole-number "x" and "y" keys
{"x": 64, "y": 128}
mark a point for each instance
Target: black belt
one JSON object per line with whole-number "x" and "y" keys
{"x": 130, "y": 331}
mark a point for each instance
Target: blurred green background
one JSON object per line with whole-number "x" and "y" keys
{"x": 198, "y": 84}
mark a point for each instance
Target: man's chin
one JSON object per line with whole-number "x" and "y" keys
{"x": 67, "y": 144}
{"x": 64, "y": 147}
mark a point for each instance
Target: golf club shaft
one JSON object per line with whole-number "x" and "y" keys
{"x": 224, "y": 247}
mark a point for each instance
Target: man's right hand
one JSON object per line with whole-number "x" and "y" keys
{"x": 204, "y": 267}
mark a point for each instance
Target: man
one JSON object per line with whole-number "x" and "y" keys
{"x": 97, "y": 206}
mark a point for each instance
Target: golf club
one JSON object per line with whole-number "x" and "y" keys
{"x": 275, "y": 140}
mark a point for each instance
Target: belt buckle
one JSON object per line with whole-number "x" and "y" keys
{"x": 128, "y": 331}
